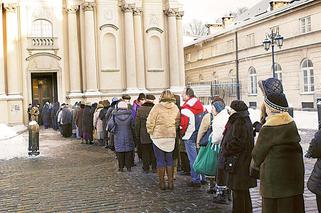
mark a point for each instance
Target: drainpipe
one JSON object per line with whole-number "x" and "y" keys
{"x": 238, "y": 95}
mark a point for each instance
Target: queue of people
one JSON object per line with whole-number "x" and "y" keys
{"x": 168, "y": 136}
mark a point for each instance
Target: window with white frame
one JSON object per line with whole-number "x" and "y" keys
{"x": 308, "y": 75}
{"x": 250, "y": 39}
{"x": 253, "y": 81}
{"x": 278, "y": 71}
{"x": 305, "y": 24}
{"x": 41, "y": 28}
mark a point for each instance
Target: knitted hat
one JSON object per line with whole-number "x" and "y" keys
{"x": 274, "y": 97}
{"x": 218, "y": 105}
{"x": 238, "y": 106}
{"x": 114, "y": 99}
{"x": 122, "y": 105}
{"x": 150, "y": 97}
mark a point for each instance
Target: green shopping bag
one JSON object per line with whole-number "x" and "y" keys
{"x": 207, "y": 160}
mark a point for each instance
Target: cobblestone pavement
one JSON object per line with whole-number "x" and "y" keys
{"x": 73, "y": 177}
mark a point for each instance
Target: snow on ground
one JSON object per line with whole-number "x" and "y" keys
{"x": 303, "y": 119}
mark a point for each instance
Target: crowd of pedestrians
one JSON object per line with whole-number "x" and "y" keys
{"x": 168, "y": 136}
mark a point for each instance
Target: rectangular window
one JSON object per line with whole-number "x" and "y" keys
{"x": 305, "y": 24}
{"x": 250, "y": 39}
{"x": 253, "y": 105}
{"x": 306, "y": 105}
{"x": 308, "y": 80}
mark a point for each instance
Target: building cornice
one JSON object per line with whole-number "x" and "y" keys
{"x": 171, "y": 12}
{"x": 128, "y": 8}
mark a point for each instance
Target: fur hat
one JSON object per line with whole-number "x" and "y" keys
{"x": 150, "y": 97}
{"x": 238, "y": 106}
{"x": 126, "y": 97}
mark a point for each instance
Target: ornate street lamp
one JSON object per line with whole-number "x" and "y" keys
{"x": 271, "y": 40}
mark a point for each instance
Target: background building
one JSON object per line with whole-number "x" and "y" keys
{"x": 235, "y": 47}
{"x": 67, "y": 50}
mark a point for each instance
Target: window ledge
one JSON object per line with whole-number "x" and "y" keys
{"x": 252, "y": 94}
{"x": 307, "y": 93}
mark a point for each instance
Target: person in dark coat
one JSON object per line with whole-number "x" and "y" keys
{"x": 66, "y": 122}
{"x": 111, "y": 109}
{"x": 314, "y": 182}
{"x": 122, "y": 126}
{"x": 237, "y": 143}
{"x": 92, "y": 112}
{"x": 102, "y": 116}
{"x": 79, "y": 118}
{"x": 278, "y": 154}
{"x": 53, "y": 113}
{"x": 87, "y": 124}
{"x": 45, "y": 112}
{"x": 143, "y": 137}
{"x": 29, "y": 112}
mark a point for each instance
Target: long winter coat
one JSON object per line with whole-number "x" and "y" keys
{"x": 163, "y": 120}
{"x": 238, "y": 141}
{"x": 314, "y": 182}
{"x": 53, "y": 114}
{"x": 279, "y": 155}
{"x": 46, "y": 113}
{"x": 122, "y": 122}
{"x": 87, "y": 120}
{"x": 79, "y": 116}
{"x": 97, "y": 122}
{"x": 140, "y": 127}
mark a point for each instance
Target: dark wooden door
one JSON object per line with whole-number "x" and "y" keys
{"x": 44, "y": 88}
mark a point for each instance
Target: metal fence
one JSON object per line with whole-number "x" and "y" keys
{"x": 206, "y": 91}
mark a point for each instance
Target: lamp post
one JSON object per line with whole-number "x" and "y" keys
{"x": 271, "y": 40}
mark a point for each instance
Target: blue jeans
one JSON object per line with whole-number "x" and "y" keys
{"x": 163, "y": 159}
{"x": 191, "y": 151}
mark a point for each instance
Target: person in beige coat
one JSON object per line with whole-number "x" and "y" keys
{"x": 161, "y": 124}
{"x": 98, "y": 125}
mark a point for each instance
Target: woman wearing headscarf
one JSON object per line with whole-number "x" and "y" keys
{"x": 278, "y": 154}
{"x": 161, "y": 124}
{"x": 121, "y": 124}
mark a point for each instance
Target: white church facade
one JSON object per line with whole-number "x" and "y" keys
{"x": 71, "y": 50}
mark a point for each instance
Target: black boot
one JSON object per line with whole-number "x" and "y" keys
{"x": 221, "y": 196}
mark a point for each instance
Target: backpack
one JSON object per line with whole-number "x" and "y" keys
{"x": 198, "y": 120}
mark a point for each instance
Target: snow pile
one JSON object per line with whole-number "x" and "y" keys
{"x": 303, "y": 119}
{"x": 6, "y": 132}
{"x": 16, "y": 147}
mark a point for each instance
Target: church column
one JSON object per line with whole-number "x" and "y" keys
{"x": 173, "y": 50}
{"x": 74, "y": 62}
{"x": 13, "y": 72}
{"x": 2, "y": 75}
{"x": 130, "y": 47}
{"x": 90, "y": 49}
{"x": 140, "y": 60}
{"x": 180, "y": 45}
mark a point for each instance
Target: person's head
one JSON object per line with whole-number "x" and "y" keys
{"x": 141, "y": 98}
{"x": 126, "y": 98}
{"x": 167, "y": 96}
{"x": 150, "y": 98}
{"x": 122, "y": 105}
{"x": 237, "y": 106}
{"x": 217, "y": 105}
{"x": 188, "y": 93}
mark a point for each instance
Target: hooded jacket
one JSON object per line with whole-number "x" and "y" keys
{"x": 122, "y": 123}
{"x": 190, "y": 108}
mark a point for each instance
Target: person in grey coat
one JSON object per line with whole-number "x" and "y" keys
{"x": 314, "y": 182}
{"x": 121, "y": 124}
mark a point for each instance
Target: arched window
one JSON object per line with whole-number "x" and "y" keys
{"x": 278, "y": 71}
{"x": 253, "y": 81}
{"x": 308, "y": 75}
{"x": 109, "y": 52}
{"x": 155, "y": 56}
{"x": 41, "y": 28}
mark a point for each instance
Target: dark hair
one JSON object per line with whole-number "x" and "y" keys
{"x": 141, "y": 96}
{"x": 189, "y": 92}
